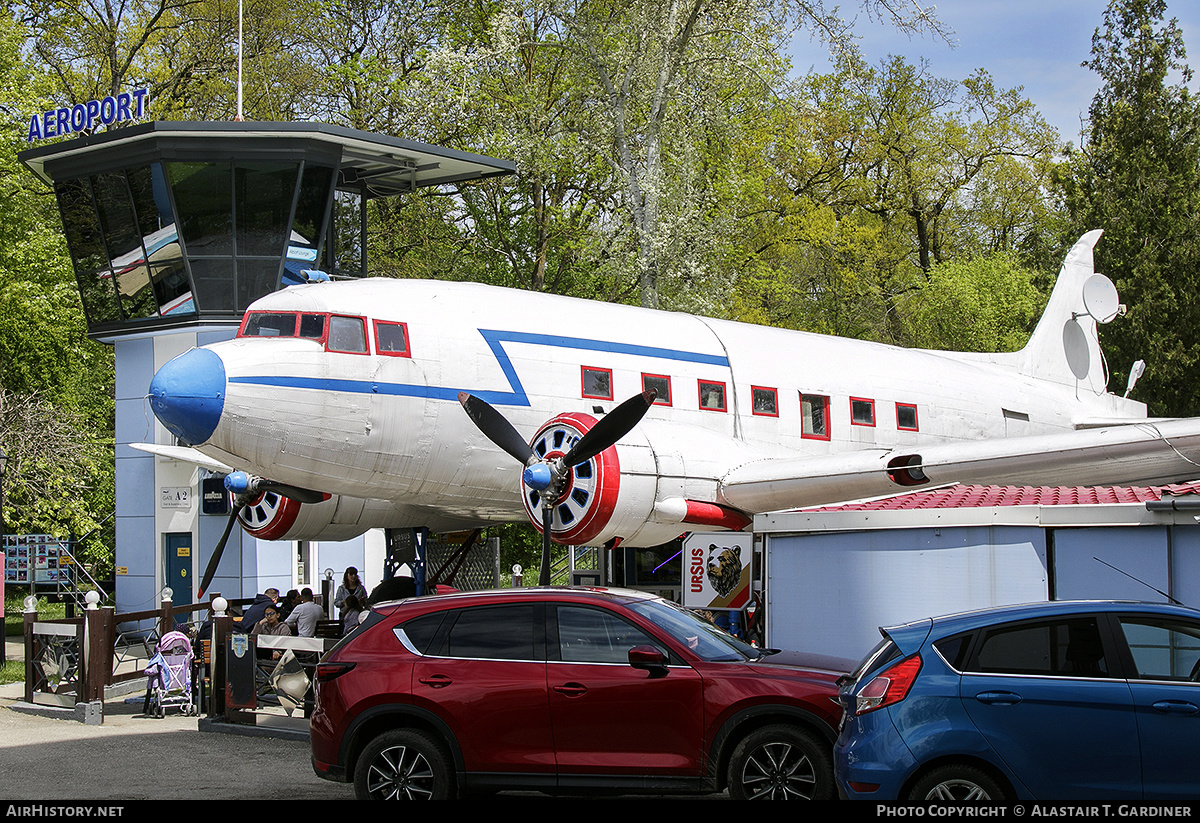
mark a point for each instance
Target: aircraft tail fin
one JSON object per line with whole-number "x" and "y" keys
{"x": 1065, "y": 346}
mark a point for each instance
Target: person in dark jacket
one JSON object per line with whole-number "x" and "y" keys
{"x": 257, "y": 609}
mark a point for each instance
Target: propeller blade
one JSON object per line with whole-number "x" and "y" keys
{"x": 496, "y": 428}
{"x": 213, "y": 561}
{"x": 610, "y": 428}
{"x": 544, "y": 572}
{"x": 293, "y": 492}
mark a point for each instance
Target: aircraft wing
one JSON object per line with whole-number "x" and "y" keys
{"x": 183, "y": 453}
{"x": 1137, "y": 453}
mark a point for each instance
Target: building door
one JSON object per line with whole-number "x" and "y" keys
{"x": 177, "y": 565}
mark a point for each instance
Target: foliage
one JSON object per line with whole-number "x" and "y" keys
{"x": 1138, "y": 178}
{"x": 985, "y": 304}
{"x": 664, "y": 157}
{"x": 60, "y": 477}
{"x": 521, "y": 544}
{"x": 880, "y": 175}
{"x": 56, "y": 386}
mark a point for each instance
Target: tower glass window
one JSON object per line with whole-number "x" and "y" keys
{"x": 170, "y": 224}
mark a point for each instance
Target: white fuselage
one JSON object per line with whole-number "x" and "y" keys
{"x": 389, "y": 425}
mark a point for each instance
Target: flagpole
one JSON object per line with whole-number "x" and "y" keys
{"x": 239, "y": 80}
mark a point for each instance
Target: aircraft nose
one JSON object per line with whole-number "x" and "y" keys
{"x": 188, "y": 394}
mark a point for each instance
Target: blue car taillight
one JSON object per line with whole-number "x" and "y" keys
{"x": 888, "y": 687}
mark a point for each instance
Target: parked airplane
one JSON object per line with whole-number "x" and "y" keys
{"x": 350, "y": 398}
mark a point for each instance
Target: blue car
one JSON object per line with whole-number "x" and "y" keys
{"x": 1060, "y": 700}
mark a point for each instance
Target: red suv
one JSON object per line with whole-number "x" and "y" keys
{"x": 568, "y": 690}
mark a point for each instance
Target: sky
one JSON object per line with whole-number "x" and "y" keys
{"x": 1036, "y": 44}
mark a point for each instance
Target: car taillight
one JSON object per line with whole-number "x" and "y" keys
{"x": 328, "y": 671}
{"x": 889, "y": 686}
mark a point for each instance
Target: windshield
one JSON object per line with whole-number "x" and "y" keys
{"x": 704, "y": 639}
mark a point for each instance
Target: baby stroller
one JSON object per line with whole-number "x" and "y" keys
{"x": 169, "y": 675}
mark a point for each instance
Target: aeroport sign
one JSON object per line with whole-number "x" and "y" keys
{"x": 83, "y": 117}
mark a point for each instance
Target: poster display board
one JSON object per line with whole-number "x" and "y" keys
{"x": 35, "y": 558}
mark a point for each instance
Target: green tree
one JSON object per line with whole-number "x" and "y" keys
{"x": 878, "y": 176}
{"x": 56, "y": 386}
{"x": 1137, "y": 177}
{"x": 985, "y": 304}
{"x": 96, "y": 49}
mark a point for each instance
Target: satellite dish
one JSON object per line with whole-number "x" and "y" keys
{"x": 1075, "y": 345}
{"x": 1100, "y": 298}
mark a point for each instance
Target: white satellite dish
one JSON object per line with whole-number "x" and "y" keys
{"x": 1075, "y": 346}
{"x": 1100, "y": 298}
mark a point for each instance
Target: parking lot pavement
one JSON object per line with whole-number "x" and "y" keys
{"x": 130, "y": 757}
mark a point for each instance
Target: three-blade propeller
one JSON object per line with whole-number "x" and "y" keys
{"x": 548, "y": 475}
{"x": 246, "y": 487}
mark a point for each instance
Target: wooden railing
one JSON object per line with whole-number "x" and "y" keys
{"x": 92, "y": 653}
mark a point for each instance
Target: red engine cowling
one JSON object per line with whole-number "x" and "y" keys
{"x": 644, "y": 491}
{"x": 271, "y": 516}
{"x": 590, "y": 492}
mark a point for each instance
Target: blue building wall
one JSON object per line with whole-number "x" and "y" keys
{"x": 248, "y": 565}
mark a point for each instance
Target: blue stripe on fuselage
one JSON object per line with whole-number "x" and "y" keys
{"x": 495, "y": 340}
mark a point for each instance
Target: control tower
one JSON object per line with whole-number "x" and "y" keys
{"x": 174, "y": 229}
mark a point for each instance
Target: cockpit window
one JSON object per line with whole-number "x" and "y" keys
{"x": 312, "y": 326}
{"x": 261, "y": 324}
{"x": 347, "y": 334}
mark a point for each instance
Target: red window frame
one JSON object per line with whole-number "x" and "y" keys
{"x": 583, "y": 370}
{"x": 660, "y": 400}
{"x": 916, "y": 426}
{"x": 700, "y": 384}
{"x": 828, "y": 433}
{"x": 870, "y": 404}
{"x": 407, "y": 341}
{"x": 329, "y": 334}
{"x": 774, "y": 397}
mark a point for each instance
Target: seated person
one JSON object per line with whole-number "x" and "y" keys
{"x": 305, "y": 616}
{"x": 352, "y": 611}
{"x": 270, "y": 624}
{"x": 254, "y": 611}
{"x": 289, "y": 602}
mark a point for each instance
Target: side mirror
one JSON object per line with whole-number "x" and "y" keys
{"x": 650, "y": 659}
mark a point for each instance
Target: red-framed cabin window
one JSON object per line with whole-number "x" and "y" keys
{"x": 764, "y": 401}
{"x": 660, "y": 383}
{"x": 906, "y": 417}
{"x": 712, "y": 395}
{"x": 862, "y": 411}
{"x": 391, "y": 339}
{"x": 814, "y": 417}
{"x": 347, "y": 335}
{"x": 596, "y": 383}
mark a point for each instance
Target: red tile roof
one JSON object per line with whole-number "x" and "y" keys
{"x": 966, "y": 497}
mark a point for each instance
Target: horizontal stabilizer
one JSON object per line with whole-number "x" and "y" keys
{"x": 184, "y": 454}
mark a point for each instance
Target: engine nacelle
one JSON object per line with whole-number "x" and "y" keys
{"x": 636, "y": 493}
{"x": 271, "y": 516}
